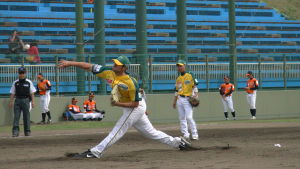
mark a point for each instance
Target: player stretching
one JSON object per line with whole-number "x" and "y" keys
{"x": 133, "y": 107}
{"x": 252, "y": 86}
{"x": 226, "y": 90}
{"x": 44, "y": 88}
{"x": 185, "y": 84}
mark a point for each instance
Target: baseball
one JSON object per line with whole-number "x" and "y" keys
{"x": 26, "y": 46}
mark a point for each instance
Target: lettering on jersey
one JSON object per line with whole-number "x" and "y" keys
{"x": 187, "y": 82}
{"x": 96, "y": 68}
{"x": 123, "y": 86}
{"x": 25, "y": 85}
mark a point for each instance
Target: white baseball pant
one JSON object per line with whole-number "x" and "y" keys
{"x": 79, "y": 116}
{"x": 251, "y": 99}
{"x": 227, "y": 103}
{"x": 185, "y": 111}
{"x": 44, "y": 102}
{"x": 139, "y": 120}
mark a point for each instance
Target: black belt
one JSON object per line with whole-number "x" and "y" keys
{"x": 183, "y": 96}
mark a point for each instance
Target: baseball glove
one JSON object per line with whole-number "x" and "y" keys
{"x": 194, "y": 101}
{"x": 115, "y": 94}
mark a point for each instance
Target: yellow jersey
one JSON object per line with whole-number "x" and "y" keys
{"x": 127, "y": 85}
{"x": 185, "y": 84}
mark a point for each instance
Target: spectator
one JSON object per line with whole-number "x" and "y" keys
{"x": 15, "y": 46}
{"x": 33, "y": 54}
{"x": 91, "y": 109}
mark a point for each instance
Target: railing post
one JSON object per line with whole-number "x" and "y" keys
{"x": 284, "y": 71}
{"x": 56, "y": 76}
{"x": 89, "y": 75}
{"x": 206, "y": 73}
{"x": 259, "y": 71}
{"x": 150, "y": 74}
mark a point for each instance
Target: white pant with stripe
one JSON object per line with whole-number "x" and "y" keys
{"x": 139, "y": 120}
{"x": 44, "y": 102}
{"x": 185, "y": 111}
{"x": 251, "y": 99}
{"x": 227, "y": 103}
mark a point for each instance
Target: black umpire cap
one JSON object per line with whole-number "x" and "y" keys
{"x": 22, "y": 70}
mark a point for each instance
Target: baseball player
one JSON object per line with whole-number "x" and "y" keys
{"x": 75, "y": 111}
{"x": 185, "y": 88}
{"x": 226, "y": 90}
{"x": 44, "y": 87}
{"x": 252, "y": 86}
{"x": 90, "y": 108}
{"x": 133, "y": 107}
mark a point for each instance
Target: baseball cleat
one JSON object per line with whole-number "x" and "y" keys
{"x": 253, "y": 118}
{"x": 86, "y": 154}
{"x": 49, "y": 121}
{"x": 184, "y": 144}
{"x": 195, "y": 138}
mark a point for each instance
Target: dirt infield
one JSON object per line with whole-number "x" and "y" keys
{"x": 251, "y": 145}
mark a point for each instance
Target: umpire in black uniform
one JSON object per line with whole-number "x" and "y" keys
{"x": 23, "y": 90}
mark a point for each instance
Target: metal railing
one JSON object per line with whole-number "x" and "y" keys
{"x": 210, "y": 74}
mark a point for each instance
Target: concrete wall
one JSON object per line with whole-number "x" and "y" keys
{"x": 270, "y": 104}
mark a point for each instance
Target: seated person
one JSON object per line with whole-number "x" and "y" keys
{"x": 91, "y": 110}
{"x": 75, "y": 112}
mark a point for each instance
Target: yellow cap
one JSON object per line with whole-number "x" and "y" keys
{"x": 117, "y": 62}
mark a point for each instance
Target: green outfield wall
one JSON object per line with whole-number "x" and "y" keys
{"x": 270, "y": 104}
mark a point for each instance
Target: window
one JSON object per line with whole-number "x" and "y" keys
{"x": 285, "y": 50}
{"x": 288, "y": 35}
{"x": 270, "y": 42}
{"x": 194, "y": 12}
{"x": 265, "y": 50}
{"x": 266, "y": 14}
{"x": 171, "y": 50}
{"x": 23, "y": 8}
{"x": 243, "y": 13}
{"x": 149, "y": 11}
{"x": 3, "y": 7}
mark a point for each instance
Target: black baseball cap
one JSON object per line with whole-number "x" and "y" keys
{"x": 22, "y": 70}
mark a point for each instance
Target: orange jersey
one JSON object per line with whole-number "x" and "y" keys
{"x": 252, "y": 84}
{"x": 43, "y": 86}
{"x": 89, "y": 106}
{"x": 74, "y": 108}
{"x": 226, "y": 89}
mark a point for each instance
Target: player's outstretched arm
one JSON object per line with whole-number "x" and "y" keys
{"x": 82, "y": 65}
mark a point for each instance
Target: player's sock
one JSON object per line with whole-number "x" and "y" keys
{"x": 233, "y": 114}
{"x": 43, "y": 117}
{"x": 251, "y": 111}
{"x": 49, "y": 115}
{"x": 226, "y": 115}
{"x": 254, "y": 112}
